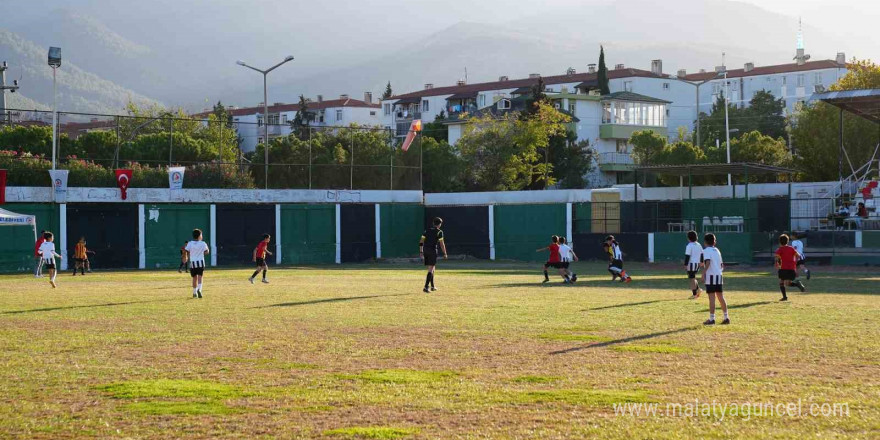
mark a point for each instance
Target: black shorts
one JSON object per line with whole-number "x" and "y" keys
{"x": 714, "y": 288}
{"x": 787, "y": 274}
{"x": 261, "y": 262}
{"x": 430, "y": 259}
{"x": 555, "y": 265}
{"x": 801, "y": 262}
{"x": 196, "y": 271}
{"x": 692, "y": 274}
{"x": 565, "y": 264}
{"x": 49, "y": 264}
{"x": 616, "y": 263}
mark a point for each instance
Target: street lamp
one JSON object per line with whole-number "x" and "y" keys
{"x": 698, "y": 84}
{"x": 726, "y": 104}
{"x": 54, "y": 63}
{"x": 265, "y": 110}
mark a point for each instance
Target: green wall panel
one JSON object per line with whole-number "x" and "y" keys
{"x": 401, "y": 227}
{"x": 583, "y": 214}
{"x": 308, "y": 234}
{"x": 168, "y": 227}
{"x": 520, "y": 229}
{"x": 871, "y": 239}
{"x": 669, "y": 246}
{"x": 17, "y": 242}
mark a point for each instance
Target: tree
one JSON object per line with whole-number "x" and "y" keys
{"x": 437, "y": 129}
{"x": 647, "y": 146}
{"x": 602, "y": 75}
{"x": 302, "y": 119}
{"x": 537, "y": 96}
{"x": 862, "y": 74}
{"x": 765, "y": 115}
{"x": 388, "y": 92}
{"x": 572, "y": 160}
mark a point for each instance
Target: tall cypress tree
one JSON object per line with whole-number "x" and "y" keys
{"x": 388, "y": 93}
{"x": 602, "y": 76}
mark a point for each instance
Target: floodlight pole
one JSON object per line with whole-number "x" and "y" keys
{"x": 54, "y": 115}
{"x": 266, "y": 111}
{"x": 726, "y": 116}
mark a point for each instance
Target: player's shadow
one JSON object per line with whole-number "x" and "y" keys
{"x": 740, "y": 306}
{"x": 89, "y": 306}
{"x": 643, "y": 303}
{"x": 626, "y": 340}
{"x": 325, "y": 300}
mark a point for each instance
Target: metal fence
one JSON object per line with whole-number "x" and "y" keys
{"x": 307, "y": 157}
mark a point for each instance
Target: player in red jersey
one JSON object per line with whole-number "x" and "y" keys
{"x": 786, "y": 262}
{"x": 260, "y": 258}
{"x": 555, "y": 259}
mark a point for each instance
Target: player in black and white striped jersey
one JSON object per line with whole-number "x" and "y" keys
{"x": 693, "y": 261}
{"x": 713, "y": 278}
{"x": 196, "y": 251}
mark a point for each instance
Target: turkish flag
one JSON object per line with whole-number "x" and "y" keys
{"x": 123, "y": 180}
{"x": 2, "y": 187}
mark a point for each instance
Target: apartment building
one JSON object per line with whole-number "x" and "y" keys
{"x": 340, "y": 112}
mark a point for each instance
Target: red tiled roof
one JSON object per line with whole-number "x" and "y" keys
{"x": 313, "y": 105}
{"x": 527, "y": 82}
{"x": 769, "y": 70}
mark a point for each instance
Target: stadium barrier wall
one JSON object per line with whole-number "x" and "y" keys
{"x": 466, "y": 229}
{"x": 167, "y": 227}
{"x": 238, "y": 230}
{"x": 521, "y": 229}
{"x": 17, "y": 242}
{"x": 308, "y": 234}
{"x": 110, "y": 230}
{"x": 588, "y": 246}
{"x": 358, "y": 233}
{"x": 735, "y": 247}
{"x": 22, "y": 194}
{"x": 401, "y": 226}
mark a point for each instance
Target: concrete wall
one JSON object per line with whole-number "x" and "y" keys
{"x": 161, "y": 195}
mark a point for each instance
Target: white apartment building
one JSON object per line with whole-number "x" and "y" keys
{"x": 340, "y": 112}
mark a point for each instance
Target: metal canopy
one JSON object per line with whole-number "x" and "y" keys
{"x": 864, "y": 103}
{"x": 705, "y": 169}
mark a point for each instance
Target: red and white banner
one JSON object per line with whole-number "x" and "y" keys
{"x": 123, "y": 180}
{"x": 414, "y": 129}
{"x": 2, "y": 187}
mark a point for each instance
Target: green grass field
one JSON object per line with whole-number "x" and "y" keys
{"x": 358, "y": 351}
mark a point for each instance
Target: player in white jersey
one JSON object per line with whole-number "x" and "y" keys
{"x": 48, "y": 254}
{"x": 798, "y": 245}
{"x": 196, "y": 251}
{"x": 615, "y": 256}
{"x": 567, "y": 255}
{"x": 693, "y": 261}
{"x": 713, "y": 278}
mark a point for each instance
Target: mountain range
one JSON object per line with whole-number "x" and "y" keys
{"x": 113, "y": 56}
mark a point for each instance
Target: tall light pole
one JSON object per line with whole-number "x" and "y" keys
{"x": 4, "y": 112}
{"x": 726, "y": 104}
{"x": 266, "y": 110}
{"x": 54, "y": 63}
{"x": 697, "y": 103}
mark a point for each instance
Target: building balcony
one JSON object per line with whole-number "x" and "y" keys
{"x": 621, "y": 131}
{"x": 615, "y": 162}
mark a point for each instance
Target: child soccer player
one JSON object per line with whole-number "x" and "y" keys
{"x": 693, "y": 260}
{"x": 713, "y": 278}
{"x": 184, "y": 262}
{"x": 48, "y": 254}
{"x": 430, "y": 241}
{"x": 567, "y": 255}
{"x": 555, "y": 259}
{"x": 80, "y": 256}
{"x": 196, "y": 251}
{"x": 798, "y": 245}
{"x": 38, "y": 259}
{"x": 616, "y": 260}
{"x": 260, "y": 258}
{"x": 786, "y": 263}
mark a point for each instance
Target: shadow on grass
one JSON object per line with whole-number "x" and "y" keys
{"x": 52, "y": 309}
{"x": 616, "y": 306}
{"x": 326, "y": 300}
{"x": 740, "y": 306}
{"x": 625, "y": 340}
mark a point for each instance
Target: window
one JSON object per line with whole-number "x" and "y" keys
{"x": 260, "y": 140}
{"x": 481, "y": 100}
{"x": 259, "y": 120}
{"x": 621, "y": 146}
{"x": 273, "y": 119}
{"x": 321, "y": 117}
{"x": 665, "y": 86}
{"x": 606, "y": 112}
{"x": 572, "y": 106}
{"x": 426, "y": 105}
{"x": 818, "y": 79}
{"x": 338, "y": 115}
{"x": 716, "y": 88}
{"x": 800, "y": 80}
{"x": 627, "y": 86}
{"x": 504, "y": 104}
{"x": 372, "y": 113}
{"x": 284, "y": 118}
{"x": 386, "y": 108}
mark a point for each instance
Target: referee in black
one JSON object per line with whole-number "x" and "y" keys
{"x": 431, "y": 240}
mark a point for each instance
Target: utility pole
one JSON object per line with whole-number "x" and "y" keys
{"x": 726, "y": 104}
{"x": 4, "y": 112}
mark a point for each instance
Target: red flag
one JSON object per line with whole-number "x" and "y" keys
{"x": 414, "y": 128}
{"x": 123, "y": 180}
{"x": 2, "y": 187}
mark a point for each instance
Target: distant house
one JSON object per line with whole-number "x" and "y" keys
{"x": 248, "y": 121}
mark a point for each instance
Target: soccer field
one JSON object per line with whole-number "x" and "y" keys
{"x": 358, "y": 351}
